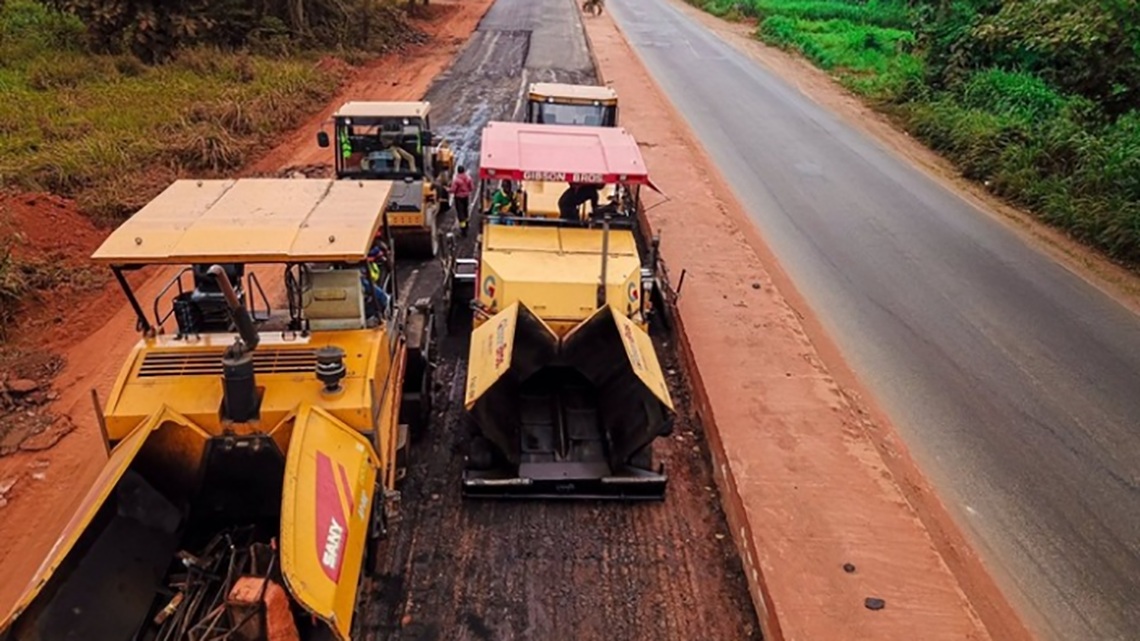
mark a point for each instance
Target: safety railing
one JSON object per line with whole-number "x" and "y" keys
{"x": 254, "y": 286}
{"x": 159, "y": 318}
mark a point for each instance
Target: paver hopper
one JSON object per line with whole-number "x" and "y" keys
{"x": 563, "y": 383}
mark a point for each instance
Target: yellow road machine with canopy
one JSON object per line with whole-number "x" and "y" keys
{"x": 562, "y": 104}
{"x": 253, "y": 453}
{"x": 550, "y": 103}
{"x": 393, "y": 141}
{"x": 563, "y": 384}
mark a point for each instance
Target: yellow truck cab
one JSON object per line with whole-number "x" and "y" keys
{"x": 393, "y": 141}
{"x": 255, "y": 434}
{"x": 563, "y": 383}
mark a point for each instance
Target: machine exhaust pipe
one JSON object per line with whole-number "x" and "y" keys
{"x": 240, "y": 400}
{"x": 238, "y": 312}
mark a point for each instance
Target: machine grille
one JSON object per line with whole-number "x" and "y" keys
{"x": 265, "y": 361}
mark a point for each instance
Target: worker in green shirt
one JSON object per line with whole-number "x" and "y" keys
{"x": 503, "y": 202}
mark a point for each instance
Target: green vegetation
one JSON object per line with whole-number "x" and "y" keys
{"x": 155, "y": 29}
{"x": 111, "y": 130}
{"x": 1041, "y": 100}
{"x": 12, "y": 287}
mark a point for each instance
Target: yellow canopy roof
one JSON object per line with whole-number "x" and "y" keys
{"x": 363, "y": 109}
{"x": 252, "y": 220}
{"x": 543, "y": 90}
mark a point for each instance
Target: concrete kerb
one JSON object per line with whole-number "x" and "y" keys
{"x": 742, "y": 534}
{"x": 731, "y": 502}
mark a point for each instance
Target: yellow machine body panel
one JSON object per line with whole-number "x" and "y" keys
{"x": 542, "y": 198}
{"x": 251, "y": 220}
{"x": 491, "y": 351}
{"x": 555, "y": 272}
{"x": 187, "y": 376}
{"x": 406, "y": 219}
{"x": 641, "y": 355}
{"x": 330, "y": 482}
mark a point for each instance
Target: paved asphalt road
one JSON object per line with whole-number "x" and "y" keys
{"x": 1014, "y": 382}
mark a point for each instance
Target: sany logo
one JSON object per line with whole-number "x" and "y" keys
{"x": 331, "y": 522}
{"x": 333, "y": 540}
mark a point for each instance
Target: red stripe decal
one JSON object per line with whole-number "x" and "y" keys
{"x": 347, "y": 488}
{"x": 332, "y": 526}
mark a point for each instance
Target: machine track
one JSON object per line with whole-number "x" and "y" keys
{"x": 485, "y": 570}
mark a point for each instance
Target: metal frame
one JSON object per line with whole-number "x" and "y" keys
{"x": 633, "y": 484}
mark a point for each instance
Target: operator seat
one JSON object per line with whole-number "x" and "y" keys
{"x": 204, "y": 309}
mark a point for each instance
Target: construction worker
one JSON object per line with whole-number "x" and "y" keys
{"x": 399, "y": 154}
{"x": 503, "y": 202}
{"x": 462, "y": 188}
{"x": 373, "y": 276}
{"x": 576, "y": 196}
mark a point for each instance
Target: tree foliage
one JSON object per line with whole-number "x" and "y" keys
{"x": 1083, "y": 47}
{"x": 153, "y": 29}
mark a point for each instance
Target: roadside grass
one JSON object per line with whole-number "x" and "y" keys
{"x": 12, "y": 287}
{"x": 1058, "y": 155}
{"x": 109, "y": 131}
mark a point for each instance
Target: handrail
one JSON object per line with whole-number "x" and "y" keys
{"x": 159, "y": 320}
{"x": 253, "y": 282}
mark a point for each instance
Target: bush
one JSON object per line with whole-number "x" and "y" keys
{"x": 882, "y": 13}
{"x": 28, "y": 27}
{"x": 1084, "y": 47}
{"x": 13, "y": 287}
{"x": 155, "y": 30}
{"x": 68, "y": 71}
{"x": 1018, "y": 95}
{"x": 1038, "y": 99}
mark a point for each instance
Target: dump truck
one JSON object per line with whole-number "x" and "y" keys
{"x": 564, "y": 104}
{"x": 254, "y": 446}
{"x": 393, "y": 141}
{"x": 564, "y": 389}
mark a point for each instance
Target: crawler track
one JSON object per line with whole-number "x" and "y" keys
{"x": 540, "y": 570}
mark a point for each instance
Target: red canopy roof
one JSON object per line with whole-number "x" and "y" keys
{"x": 561, "y": 153}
